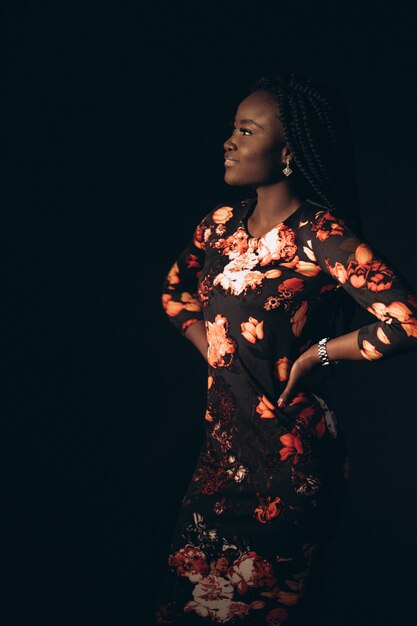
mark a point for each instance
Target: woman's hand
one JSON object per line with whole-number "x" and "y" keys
{"x": 299, "y": 370}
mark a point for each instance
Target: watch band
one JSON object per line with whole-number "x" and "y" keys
{"x": 322, "y": 350}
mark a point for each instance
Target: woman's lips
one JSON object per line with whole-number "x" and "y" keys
{"x": 230, "y": 162}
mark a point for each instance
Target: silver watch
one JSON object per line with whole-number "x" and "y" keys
{"x": 322, "y": 350}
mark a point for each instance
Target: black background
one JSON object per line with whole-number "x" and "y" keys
{"x": 114, "y": 117}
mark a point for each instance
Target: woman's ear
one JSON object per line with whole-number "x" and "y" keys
{"x": 285, "y": 154}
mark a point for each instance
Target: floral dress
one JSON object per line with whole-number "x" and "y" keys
{"x": 263, "y": 501}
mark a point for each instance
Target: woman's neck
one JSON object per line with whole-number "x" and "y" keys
{"x": 274, "y": 204}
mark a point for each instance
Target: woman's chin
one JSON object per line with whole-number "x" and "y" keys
{"x": 235, "y": 184}
{"x": 234, "y": 181}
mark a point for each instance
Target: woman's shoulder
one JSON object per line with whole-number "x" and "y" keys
{"x": 217, "y": 222}
{"x": 315, "y": 209}
{"x": 321, "y": 216}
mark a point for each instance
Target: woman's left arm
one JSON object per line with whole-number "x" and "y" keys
{"x": 373, "y": 283}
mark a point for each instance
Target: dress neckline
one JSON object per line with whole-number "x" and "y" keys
{"x": 249, "y": 210}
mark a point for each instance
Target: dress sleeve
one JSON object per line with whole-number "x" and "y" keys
{"x": 179, "y": 291}
{"x": 371, "y": 281}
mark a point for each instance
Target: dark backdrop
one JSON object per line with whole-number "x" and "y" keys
{"x": 114, "y": 118}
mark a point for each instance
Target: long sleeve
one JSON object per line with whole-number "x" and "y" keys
{"x": 371, "y": 281}
{"x": 179, "y": 291}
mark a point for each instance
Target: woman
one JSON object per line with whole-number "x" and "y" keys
{"x": 257, "y": 291}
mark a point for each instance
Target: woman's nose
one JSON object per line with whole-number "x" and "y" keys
{"x": 229, "y": 144}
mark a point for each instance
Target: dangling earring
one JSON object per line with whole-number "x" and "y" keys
{"x": 287, "y": 170}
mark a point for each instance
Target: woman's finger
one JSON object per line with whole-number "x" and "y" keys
{"x": 298, "y": 370}
{"x": 285, "y": 395}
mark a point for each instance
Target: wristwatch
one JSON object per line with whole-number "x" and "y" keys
{"x": 322, "y": 350}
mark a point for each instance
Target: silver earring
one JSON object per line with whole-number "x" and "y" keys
{"x": 287, "y": 170}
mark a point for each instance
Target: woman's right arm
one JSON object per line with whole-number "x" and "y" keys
{"x": 179, "y": 291}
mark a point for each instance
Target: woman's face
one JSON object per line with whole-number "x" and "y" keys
{"x": 257, "y": 144}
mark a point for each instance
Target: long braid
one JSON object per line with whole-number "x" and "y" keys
{"x": 317, "y": 132}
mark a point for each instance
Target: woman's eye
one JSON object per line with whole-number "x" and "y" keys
{"x": 244, "y": 130}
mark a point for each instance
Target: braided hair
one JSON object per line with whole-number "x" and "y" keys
{"x": 317, "y": 131}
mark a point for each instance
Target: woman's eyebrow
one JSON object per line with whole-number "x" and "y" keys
{"x": 248, "y": 121}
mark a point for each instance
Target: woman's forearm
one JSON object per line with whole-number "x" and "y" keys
{"x": 343, "y": 348}
{"x": 196, "y": 333}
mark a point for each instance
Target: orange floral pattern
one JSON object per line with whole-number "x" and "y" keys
{"x": 222, "y": 215}
{"x": 265, "y": 408}
{"x": 253, "y": 330}
{"x": 220, "y": 347}
{"x": 253, "y": 518}
{"x": 283, "y": 367}
{"x": 371, "y": 282}
{"x": 299, "y": 318}
{"x": 268, "y": 509}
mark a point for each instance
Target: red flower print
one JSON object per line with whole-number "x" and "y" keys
{"x": 338, "y": 271}
{"x": 286, "y": 293}
{"x": 290, "y": 598}
{"x": 173, "y": 276}
{"x": 292, "y": 284}
{"x": 306, "y": 268}
{"x": 220, "y": 347}
{"x": 363, "y": 270}
{"x": 327, "y": 225}
{"x": 397, "y": 310}
{"x": 374, "y": 274}
{"x": 257, "y": 604}
{"x": 219, "y": 566}
{"x": 369, "y": 351}
{"x": 213, "y": 598}
{"x": 212, "y": 595}
{"x": 306, "y": 414}
{"x": 277, "y": 245}
{"x": 238, "y": 275}
{"x": 320, "y": 428}
{"x": 265, "y": 407}
{"x": 382, "y": 336}
{"x": 299, "y": 318}
{"x": 251, "y": 571}
{"x": 277, "y": 617}
{"x": 268, "y": 509}
{"x": 210, "y": 479}
{"x": 292, "y": 445}
{"x": 299, "y": 398}
{"x": 191, "y": 261}
{"x": 222, "y": 215}
{"x": 235, "y": 245}
{"x": 220, "y": 506}
{"x": 252, "y": 330}
{"x": 189, "y": 562}
{"x": 273, "y": 302}
{"x": 187, "y": 303}
{"x": 283, "y": 367}
{"x": 204, "y": 287}
{"x": 208, "y": 417}
{"x": 199, "y": 237}
{"x": 273, "y": 273}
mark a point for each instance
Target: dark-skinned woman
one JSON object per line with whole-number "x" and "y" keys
{"x": 258, "y": 291}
